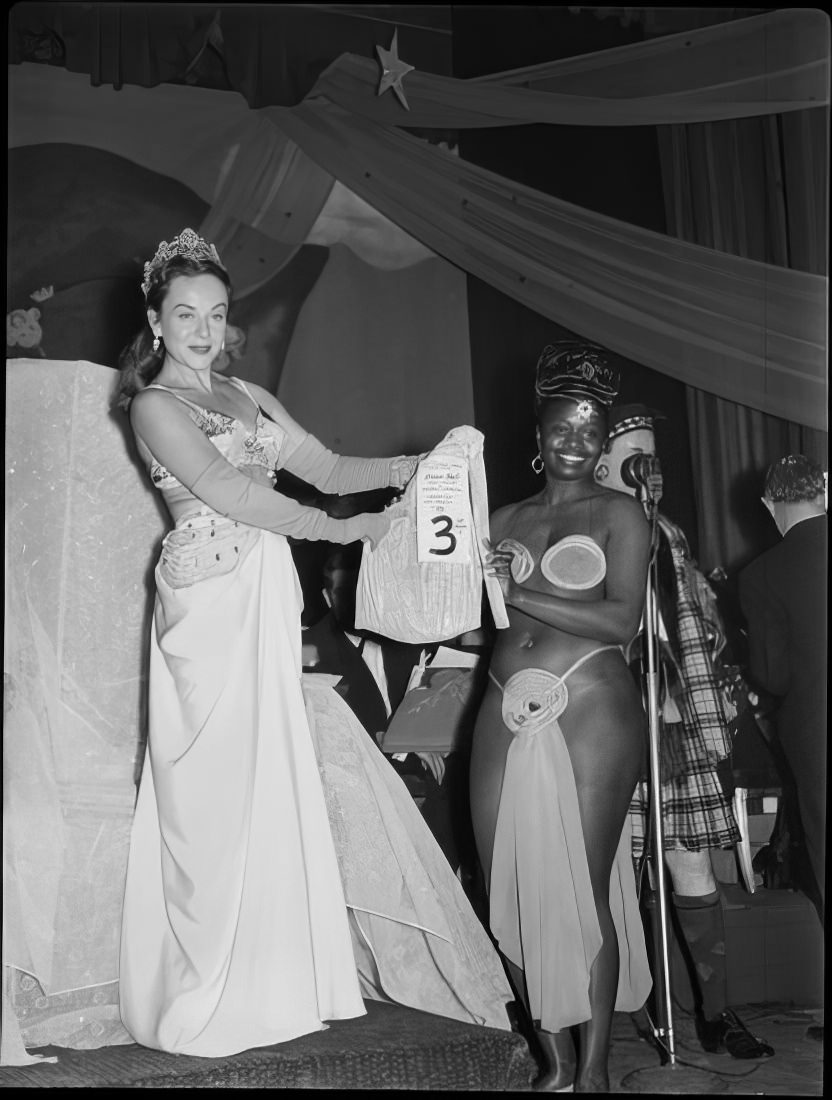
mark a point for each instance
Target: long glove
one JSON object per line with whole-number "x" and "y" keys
{"x": 230, "y": 493}
{"x": 311, "y": 461}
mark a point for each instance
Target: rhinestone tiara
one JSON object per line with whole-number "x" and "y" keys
{"x": 188, "y": 243}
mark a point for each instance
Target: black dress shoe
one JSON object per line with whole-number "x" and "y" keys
{"x": 728, "y": 1034}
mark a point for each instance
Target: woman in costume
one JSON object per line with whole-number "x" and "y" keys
{"x": 235, "y": 929}
{"x": 560, "y": 736}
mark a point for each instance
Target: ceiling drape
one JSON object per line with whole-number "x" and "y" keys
{"x": 749, "y": 332}
{"x": 746, "y": 331}
{"x": 765, "y": 64}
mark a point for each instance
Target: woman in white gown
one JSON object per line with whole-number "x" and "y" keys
{"x": 235, "y": 928}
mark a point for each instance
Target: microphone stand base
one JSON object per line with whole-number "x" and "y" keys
{"x": 670, "y": 1080}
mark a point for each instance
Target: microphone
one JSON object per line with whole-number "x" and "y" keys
{"x": 636, "y": 472}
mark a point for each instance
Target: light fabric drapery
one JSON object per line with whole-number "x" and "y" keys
{"x": 766, "y": 64}
{"x": 785, "y": 44}
{"x": 748, "y": 332}
{"x": 192, "y": 135}
{"x": 186, "y": 133}
{"x": 83, "y": 529}
{"x": 363, "y": 334}
{"x": 81, "y": 524}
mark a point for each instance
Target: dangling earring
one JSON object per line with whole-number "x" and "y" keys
{"x": 538, "y": 459}
{"x": 156, "y": 343}
{"x": 222, "y": 345}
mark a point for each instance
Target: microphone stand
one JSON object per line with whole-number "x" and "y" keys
{"x": 654, "y": 1079}
{"x": 661, "y": 969}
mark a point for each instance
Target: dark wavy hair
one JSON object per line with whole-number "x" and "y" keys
{"x": 794, "y": 478}
{"x": 138, "y": 363}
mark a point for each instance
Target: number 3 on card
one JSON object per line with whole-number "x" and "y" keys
{"x": 443, "y": 510}
{"x": 443, "y": 532}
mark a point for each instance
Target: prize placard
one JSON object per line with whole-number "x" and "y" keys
{"x": 443, "y": 510}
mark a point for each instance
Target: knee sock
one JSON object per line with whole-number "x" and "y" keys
{"x": 703, "y": 926}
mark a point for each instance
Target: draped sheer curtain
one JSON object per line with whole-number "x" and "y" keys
{"x": 755, "y": 188}
{"x": 748, "y": 331}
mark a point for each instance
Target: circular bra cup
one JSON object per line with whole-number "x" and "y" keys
{"x": 574, "y": 562}
{"x": 522, "y": 564}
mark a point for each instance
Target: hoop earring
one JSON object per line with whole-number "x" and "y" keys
{"x": 156, "y": 342}
{"x": 538, "y": 469}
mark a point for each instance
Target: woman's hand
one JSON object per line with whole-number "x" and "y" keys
{"x": 498, "y": 564}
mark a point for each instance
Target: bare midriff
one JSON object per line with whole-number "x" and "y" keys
{"x": 528, "y": 643}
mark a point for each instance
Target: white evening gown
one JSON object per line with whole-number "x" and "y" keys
{"x": 236, "y": 931}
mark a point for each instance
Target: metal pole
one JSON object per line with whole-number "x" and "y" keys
{"x": 664, "y": 1029}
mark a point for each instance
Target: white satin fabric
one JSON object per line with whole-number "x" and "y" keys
{"x": 82, "y": 522}
{"x": 235, "y": 930}
{"x": 399, "y": 596}
{"x": 416, "y": 939}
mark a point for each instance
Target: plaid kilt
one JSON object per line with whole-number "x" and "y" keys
{"x": 696, "y": 813}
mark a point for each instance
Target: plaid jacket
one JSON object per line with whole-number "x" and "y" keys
{"x": 704, "y": 703}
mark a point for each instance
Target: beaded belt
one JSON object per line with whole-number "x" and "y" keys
{"x": 201, "y": 547}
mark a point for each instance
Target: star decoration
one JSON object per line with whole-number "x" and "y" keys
{"x": 392, "y": 70}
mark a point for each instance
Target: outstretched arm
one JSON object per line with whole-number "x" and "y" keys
{"x": 305, "y": 457}
{"x": 613, "y": 618}
{"x": 162, "y": 425}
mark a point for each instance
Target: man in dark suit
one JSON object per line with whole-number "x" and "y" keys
{"x": 783, "y": 596}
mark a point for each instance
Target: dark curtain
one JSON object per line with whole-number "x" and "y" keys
{"x": 271, "y": 53}
{"x": 756, "y": 188}
{"x": 116, "y": 44}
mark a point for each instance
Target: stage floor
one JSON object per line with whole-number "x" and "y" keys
{"x": 795, "y": 1070}
{"x": 397, "y": 1048}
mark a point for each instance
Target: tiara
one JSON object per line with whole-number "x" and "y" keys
{"x": 188, "y": 244}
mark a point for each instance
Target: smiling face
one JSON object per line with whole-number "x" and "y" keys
{"x": 570, "y": 435}
{"x": 192, "y": 320}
